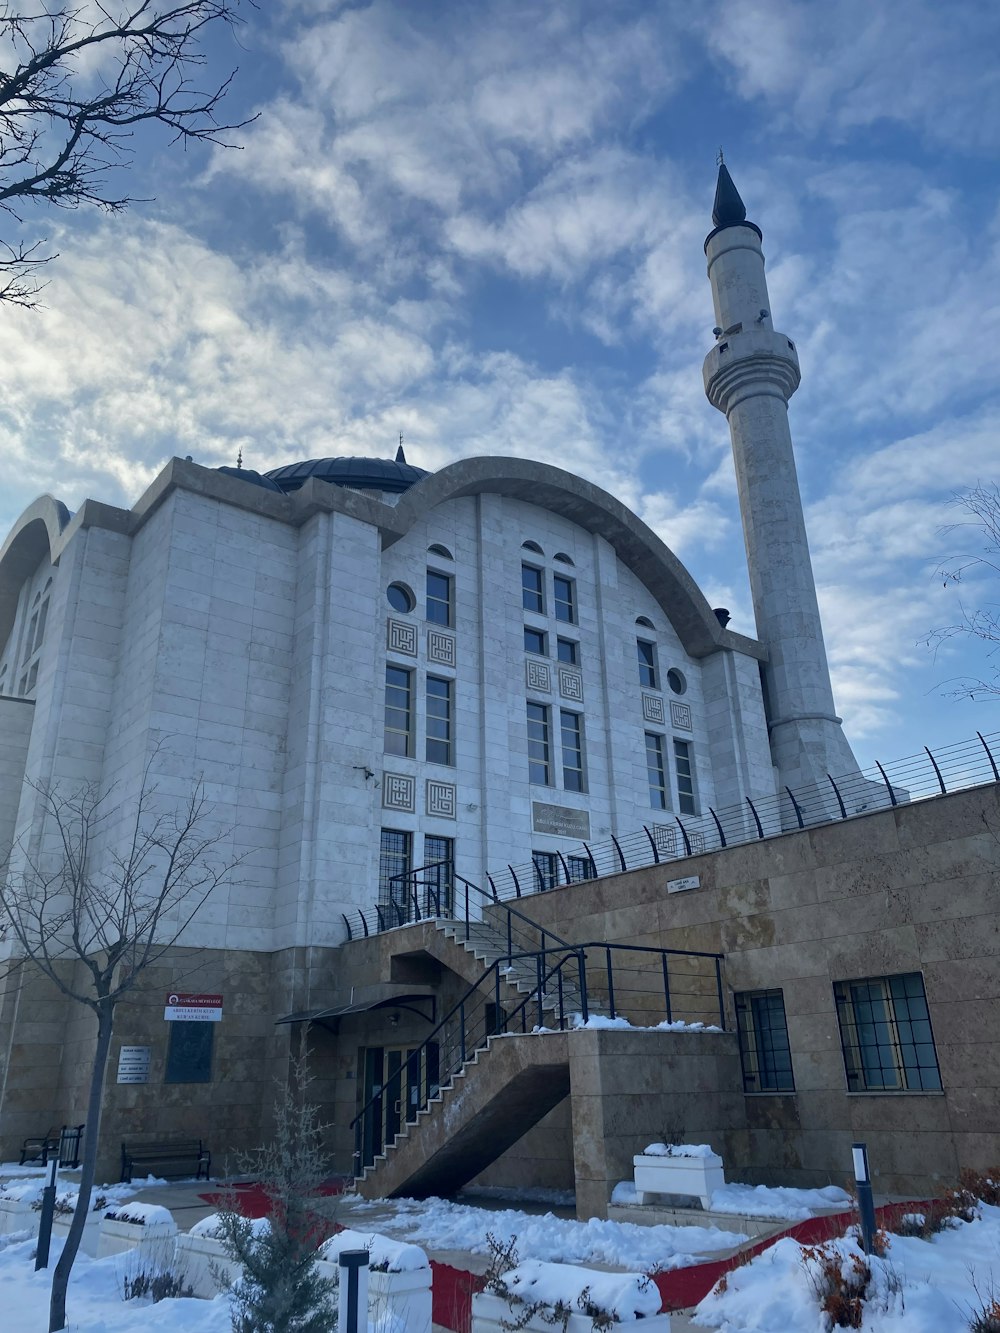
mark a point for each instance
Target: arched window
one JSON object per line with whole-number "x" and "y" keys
{"x": 532, "y": 546}
{"x": 438, "y": 549}
{"x": 644, "y": 620}
{"x": 563, "y": 557}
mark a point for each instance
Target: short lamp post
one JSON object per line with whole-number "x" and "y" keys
{"x": 866, "y": 1204}
{"x": 352, "y": 1315}
{"x": 48, "y": 1212}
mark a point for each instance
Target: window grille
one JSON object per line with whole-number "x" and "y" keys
{"x": 764, "y": 1049}
{"x": 885, "y": 1033}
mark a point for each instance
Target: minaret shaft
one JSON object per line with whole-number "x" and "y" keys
{"x": 750, "y": 375}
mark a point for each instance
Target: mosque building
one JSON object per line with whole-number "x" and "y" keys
{"x": 410, "y": 699}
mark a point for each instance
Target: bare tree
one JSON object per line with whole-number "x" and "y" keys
{"x": 92, "y": 926}
{"x": 982, "y": 507}
{"x": 75, "y": 81}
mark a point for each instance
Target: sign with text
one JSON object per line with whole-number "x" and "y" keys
{"x": 133, "y": 1064}
{"x": 681, "y": 885}
{"x": 562, "y": 821}
{"x": 193, "y": 1008}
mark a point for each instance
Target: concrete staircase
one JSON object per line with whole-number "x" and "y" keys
{"x": 507, "y": 1084}
{"x": 495, "y": 1098}
{"x": 487, "y": 944}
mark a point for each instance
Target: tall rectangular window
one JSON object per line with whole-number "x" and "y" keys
{"x": 546, "y": 870}
{"x": 655, "y": 772}
{"x": 565, "y": 599}
{"x": 568, "y": 651}
{"x": 763, "y": 1033}
{"x": 439, "y": 609}
{"x": 580, "y": 867}
{"x": 394, "y": 865}
{"x": 571, "y": 732}
{"x": 438, "y": 875}
{"x": 885, "y": 1032}
{"x": 440, "y": 739}
{"x": 532, "y": 589}
{"x": 647, "y": 663}
{"x": 539, "y": 745}
{"x": 398, "y": 711}
{"x": 685, "y": 777}
{"x": 535, "y": 641}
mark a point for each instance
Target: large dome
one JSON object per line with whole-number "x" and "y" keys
{"x": 361, "y": 474}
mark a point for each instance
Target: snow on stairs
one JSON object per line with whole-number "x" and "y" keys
{"x": 495, "y": 1098}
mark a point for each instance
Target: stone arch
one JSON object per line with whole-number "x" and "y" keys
{"x": 32, "y": 539}
{"x": 593, "y": 509}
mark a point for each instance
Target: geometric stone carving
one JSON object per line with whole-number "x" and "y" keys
{"x": 680, "y": 715}
{"x": 570, "y": 684}
{"x": 538, "y": 675}
{"x": 441, "y": 799}
{"x": 652, "y": 708}
{"x": 397, "y": 791}
{"x": 440, "y": 647}
{"x": 401, "y": 637}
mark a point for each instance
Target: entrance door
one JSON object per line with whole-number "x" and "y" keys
{"x": 398, "y": 1081}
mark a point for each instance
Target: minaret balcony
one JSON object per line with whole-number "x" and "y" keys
{"x": 745, "y": 363}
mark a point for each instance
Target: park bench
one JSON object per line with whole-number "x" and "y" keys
{"x": 177, "y": 1157}
{"x": 65, "y": 1141}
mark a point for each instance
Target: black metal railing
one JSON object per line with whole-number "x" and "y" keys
{"x": 671, "y": 837}
{"x": 573, "y": 984}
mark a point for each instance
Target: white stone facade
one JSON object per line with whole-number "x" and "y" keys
{"x": 223, "y": 633}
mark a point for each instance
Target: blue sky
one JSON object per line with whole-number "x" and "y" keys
{"x": 481, "y": 225}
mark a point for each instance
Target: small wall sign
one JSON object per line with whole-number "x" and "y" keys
{"x": 133, "y": 1064}
{"x": 182, "y": 1008}
{"x": 681, "y": 885}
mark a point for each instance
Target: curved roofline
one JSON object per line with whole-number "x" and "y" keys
{"x": 33, "y": 537}
{"x": 636, "y": 545}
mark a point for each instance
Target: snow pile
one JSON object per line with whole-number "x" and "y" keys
{"x": 621, "y": 1295}
{"x": 678, "y": 1150}
{"x": 211, "y": 1227}
{"x": 439, "y": 1225}
{"x": 141, "y": 1214}
{"x": 921, "y": 1286}
{"x": 29, "y": 1192}
{"x": 784, "y": 1204}
{"x": 600, "y": 1021}
{"x": 95, "y": 1304}
{"x": 385, "y": 1255}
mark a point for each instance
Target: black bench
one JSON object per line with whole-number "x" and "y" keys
{"x": 162, "y": 1154}
{"x": 65, "y": 1141}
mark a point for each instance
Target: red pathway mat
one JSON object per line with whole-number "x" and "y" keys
{"x": 250, "y": 1199}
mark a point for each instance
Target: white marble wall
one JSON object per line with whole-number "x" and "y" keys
{"x": 222, "y": 647}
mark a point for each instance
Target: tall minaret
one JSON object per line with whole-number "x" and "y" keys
{"x": 750, "y": 374}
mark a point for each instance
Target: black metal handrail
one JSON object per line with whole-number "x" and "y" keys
{"x": 970, "y": 763}
{"x": 570, "y": 986}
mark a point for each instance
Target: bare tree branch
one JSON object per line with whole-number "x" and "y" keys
{"x": 982, "y": 505}
{"x": 93, "y": 925}
{"x": 72, "y": 90}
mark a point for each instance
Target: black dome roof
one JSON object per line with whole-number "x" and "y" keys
{"x": 254, "y": 478}
{"x": 369, "y": 474}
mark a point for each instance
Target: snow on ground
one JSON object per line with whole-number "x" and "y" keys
{"x": 94, "y": 1303}
{"x": 922, "y": 1286}
{"x": 791, "y": 1205}
{"x": 437, "y": 1224}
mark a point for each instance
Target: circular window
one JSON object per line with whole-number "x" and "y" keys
{"x": 400, "y": 597}
{"x": 676, "y": 681}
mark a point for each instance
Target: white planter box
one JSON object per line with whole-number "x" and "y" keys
{"x": 197, "y": 1256}
{"x": 678, "y": 1175}
{"x": 491, "y": 1313}
{"x": 91, "y": 1230}
{"x": 396, "y": 1301}
{"x": 17, "y": 1215}
{"x": 155, "y": 1243}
